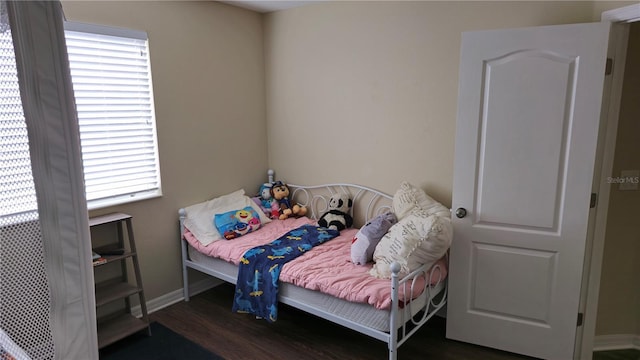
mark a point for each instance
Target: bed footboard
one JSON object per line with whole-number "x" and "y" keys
{"x": 408, "y": 316}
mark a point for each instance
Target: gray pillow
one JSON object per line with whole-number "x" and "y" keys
{"x": 365, "y": 241}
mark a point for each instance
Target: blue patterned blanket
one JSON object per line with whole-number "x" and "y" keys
{"x": 257, "y": 283}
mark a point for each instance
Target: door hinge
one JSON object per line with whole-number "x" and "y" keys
{"x": 580, "y": 319}
{"x": 593, "y": 201}
{"x": 608, "y": 69}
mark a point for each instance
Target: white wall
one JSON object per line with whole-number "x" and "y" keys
{"x": 366, "y": 92}
{"x": 208, "y": 80}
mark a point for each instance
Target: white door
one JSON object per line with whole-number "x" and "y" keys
{"x": 527, "y": 127}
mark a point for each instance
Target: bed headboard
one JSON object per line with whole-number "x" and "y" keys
{"x": 367, "y": 202}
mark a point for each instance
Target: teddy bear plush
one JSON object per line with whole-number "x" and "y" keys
{"x": 365, "y": 241}
{"x": 280, "y": 193}
{"x": 337, "y": 217}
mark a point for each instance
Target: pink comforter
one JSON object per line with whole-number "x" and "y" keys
{"x": 326, "y": 268}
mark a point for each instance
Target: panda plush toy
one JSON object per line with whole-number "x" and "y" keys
{"x": 337, "y": 217}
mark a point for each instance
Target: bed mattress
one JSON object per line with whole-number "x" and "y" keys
{"x": 360, "y": 313}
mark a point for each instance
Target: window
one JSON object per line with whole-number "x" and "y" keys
{"x": 111, "y": 78}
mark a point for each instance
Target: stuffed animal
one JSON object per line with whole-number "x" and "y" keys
{"x": 268, "y": 204}
{"x": 337, "y": 217}
{"x": 280, "y": 193}
{"x": 365, "y": 241}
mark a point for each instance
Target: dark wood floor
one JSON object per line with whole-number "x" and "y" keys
{"x": 207, "y": 320}
{"x": 628, "y": 354}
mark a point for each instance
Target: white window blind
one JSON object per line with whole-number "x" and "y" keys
{"x": 111, "y": 77}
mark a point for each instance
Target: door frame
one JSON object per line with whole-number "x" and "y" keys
{"x": 612, "y": 94}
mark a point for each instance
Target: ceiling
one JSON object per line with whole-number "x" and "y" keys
{"x": 265, "y": 6}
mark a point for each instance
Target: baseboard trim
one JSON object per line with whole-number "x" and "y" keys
{"x": 176, "y": 296}
{"x": 616, "y": 342}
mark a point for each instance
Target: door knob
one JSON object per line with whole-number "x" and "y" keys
{"x": 461, "y": 212}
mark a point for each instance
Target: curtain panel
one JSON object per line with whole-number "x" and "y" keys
{"x": 52, "y": 126}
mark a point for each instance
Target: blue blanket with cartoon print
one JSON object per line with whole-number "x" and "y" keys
{"x": 257, "y": 283}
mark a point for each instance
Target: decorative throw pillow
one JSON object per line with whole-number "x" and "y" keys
{"x": 199, "y": 216}
{"x": 233, "y": 224}
{"x": 365, "y": 241}
{"x": 416, "y": 240}
{"x": 409, "y": 198}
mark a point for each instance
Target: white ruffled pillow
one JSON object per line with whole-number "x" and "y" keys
{"x": 199, "y": 218}
{"x": 417, "y": 239}
{"x": 409, "y": 198}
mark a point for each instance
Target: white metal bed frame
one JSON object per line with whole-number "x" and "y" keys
{"x": 404, "y": 320}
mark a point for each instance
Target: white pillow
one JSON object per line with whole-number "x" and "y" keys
{"x": 409, "y": 198}
{"x": 199, "y": 219}
{"x": 417, "y": 239}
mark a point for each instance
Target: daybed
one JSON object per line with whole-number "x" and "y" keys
{"x": 392, "y": 312}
